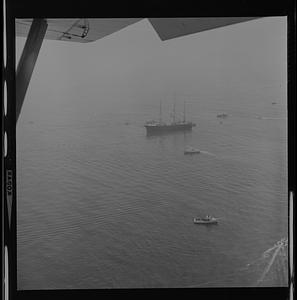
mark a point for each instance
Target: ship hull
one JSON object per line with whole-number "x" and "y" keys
{"x": 161, "y": 129}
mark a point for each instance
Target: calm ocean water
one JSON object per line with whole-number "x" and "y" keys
{"x": 100, "y": 205}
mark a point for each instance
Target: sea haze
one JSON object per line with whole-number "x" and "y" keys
{"x": 102, "y": 205}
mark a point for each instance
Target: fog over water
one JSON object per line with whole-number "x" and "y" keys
{"x": 101, "y": 205}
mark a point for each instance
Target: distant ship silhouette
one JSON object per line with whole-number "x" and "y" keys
{"x": 159, "y": 127}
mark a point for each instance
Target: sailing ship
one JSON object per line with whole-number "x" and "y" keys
{"x": 160, "y": 127}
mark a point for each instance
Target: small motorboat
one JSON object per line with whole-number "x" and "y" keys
{"x": 206, "y": 220}
{"x": 191, "y": 150}
{"x": 222, "y": 116}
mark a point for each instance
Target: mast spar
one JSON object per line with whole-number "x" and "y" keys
{"x": 174, "y": 107}
{"x": 184, "y": 112}
{"x": 160, "y": 113}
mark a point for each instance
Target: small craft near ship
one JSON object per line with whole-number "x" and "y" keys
{"x": 191, "y": 150}
{"x": 222, "y": 116}
{"x": 159, "y": 127}
{"x": 206, "y": 220}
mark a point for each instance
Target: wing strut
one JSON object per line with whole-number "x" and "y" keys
{"x": 28, "y": 60}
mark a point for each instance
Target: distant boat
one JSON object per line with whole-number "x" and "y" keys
{"x": 159, "y": 127}
{"x": 191, "y": 150}
{"x": 206, "y": 220}
{"x": 223, "y": 116}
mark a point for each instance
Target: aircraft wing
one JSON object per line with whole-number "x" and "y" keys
{"x": 77, "y": 30}
{"x": 169, "y": 28}
{"x": 87, "y": 30}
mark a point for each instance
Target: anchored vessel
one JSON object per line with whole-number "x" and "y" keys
{"x": 222, "y": 116}
{"x": 206, "y": 220}
{"x": 191, "y": 150}
{"x": 159, "y": 127}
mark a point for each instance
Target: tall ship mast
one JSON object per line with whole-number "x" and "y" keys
{"x": 159, "y": 127}
{"x": 160, "y": 116}
{"x": 184, "y": 120}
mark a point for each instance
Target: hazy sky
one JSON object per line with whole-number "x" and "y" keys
{"x": 134, "y": 65}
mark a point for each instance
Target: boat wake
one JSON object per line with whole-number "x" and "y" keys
{"x": 192, "y": 150}
{"x": 269, "y": 118}
{"x": 270, "y": 269}
{"x": 207, "y": 153}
